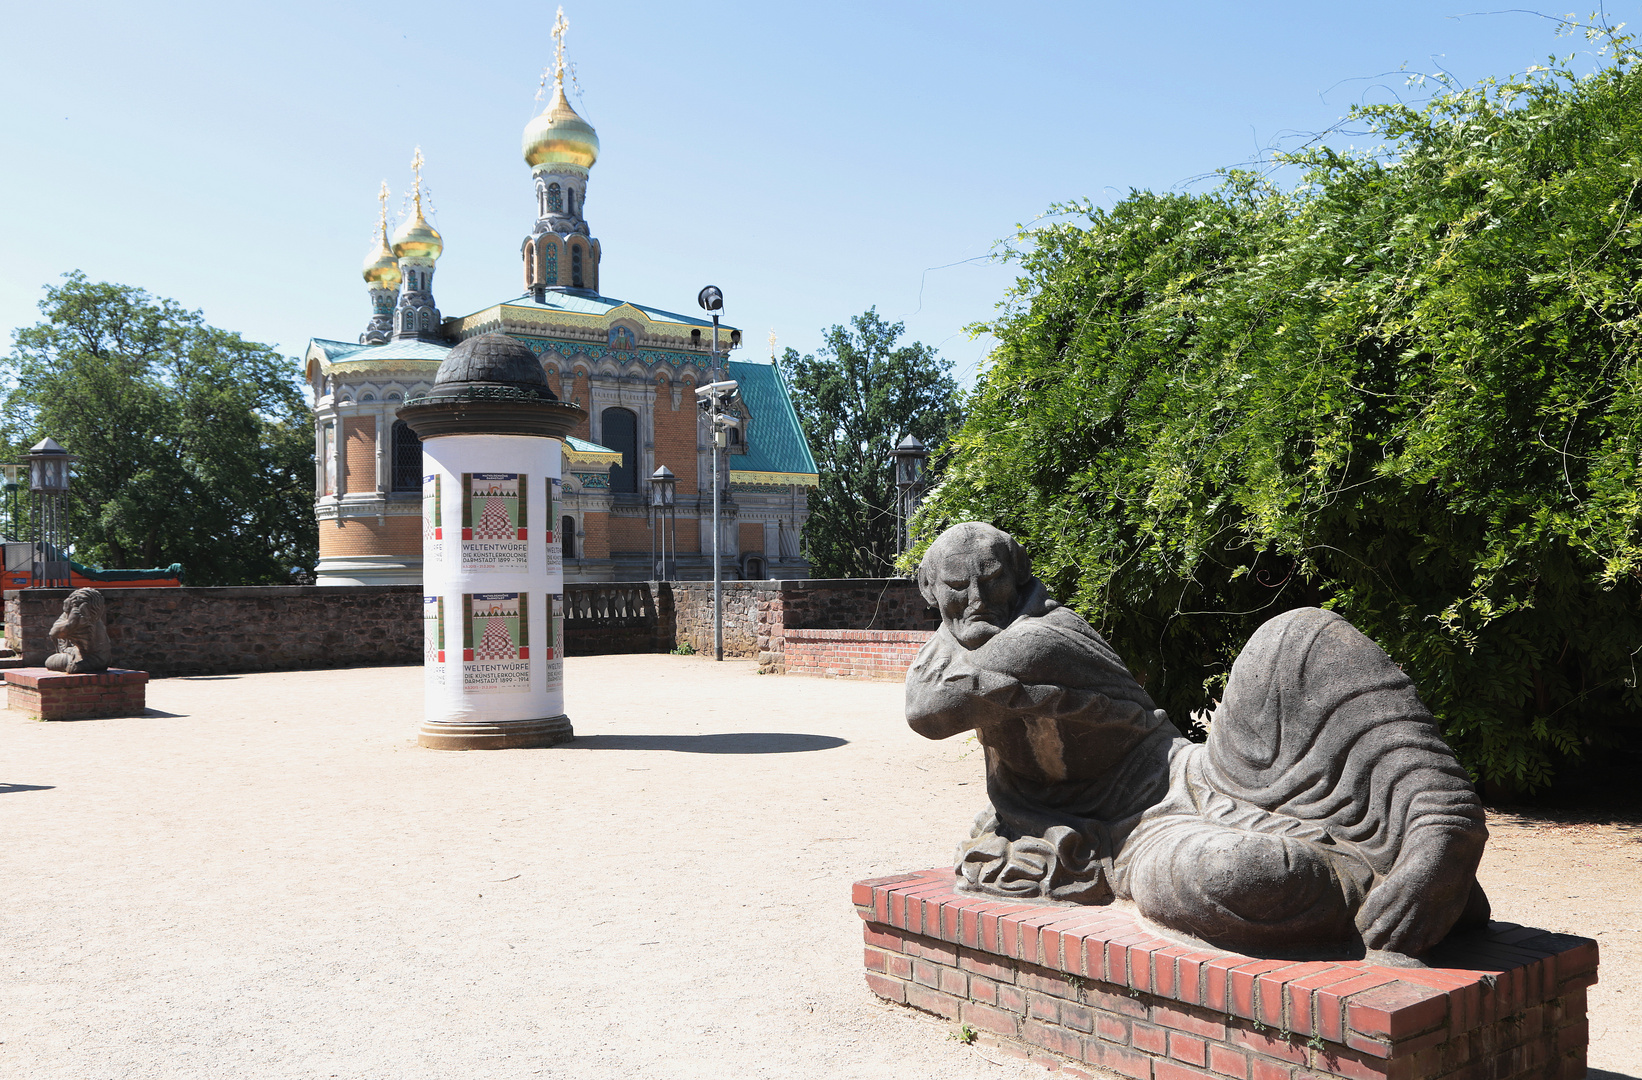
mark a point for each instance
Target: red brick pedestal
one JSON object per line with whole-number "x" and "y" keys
{"x": 1077, "y": 986}
{"x": 50, "y": 695}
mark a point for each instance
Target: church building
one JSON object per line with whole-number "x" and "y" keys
{"x": 633, "y": 367}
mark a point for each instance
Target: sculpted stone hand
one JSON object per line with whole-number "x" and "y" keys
{"x": 1325, "y": 813}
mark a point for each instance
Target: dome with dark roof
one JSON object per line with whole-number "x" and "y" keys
{"x": 496, "y": 360}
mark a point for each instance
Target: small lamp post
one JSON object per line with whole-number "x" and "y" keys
{"x": 662, "y": 483}
{"x": 48, "y": 468}
{"x": 908, "y": 458}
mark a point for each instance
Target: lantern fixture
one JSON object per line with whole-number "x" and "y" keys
{"x": 48, "y": 465}
{"x": 909, "y": 458}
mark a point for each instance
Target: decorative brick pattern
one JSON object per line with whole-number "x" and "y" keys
{"x": 853, "y": 654}
{"x": 1076, "y": 987}
{"x": 51, "y": 695}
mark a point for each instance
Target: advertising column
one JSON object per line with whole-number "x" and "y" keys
{"x": 493, "y": 593}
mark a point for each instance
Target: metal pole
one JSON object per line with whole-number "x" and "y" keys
{"x": 718, "y": 571}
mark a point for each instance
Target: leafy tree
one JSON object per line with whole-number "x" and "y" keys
{"x": 1408, "y": 390}
{"x": 194, "y": 444}
{"x": 855, "y": 402}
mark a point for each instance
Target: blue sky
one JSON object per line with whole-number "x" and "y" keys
{"x": 812, "y": 160}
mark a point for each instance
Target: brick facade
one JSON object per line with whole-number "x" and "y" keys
{"x": 359, "y": 453}
{"x": 853, "y": 654}
{"x": 1073, "y": 987}
{"x": 400, "y": 536}
{"x": 675, "y": 434}
{"x": 52, "y": 695}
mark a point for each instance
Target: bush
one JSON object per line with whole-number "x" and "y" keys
{"x": 1407, "y": 390}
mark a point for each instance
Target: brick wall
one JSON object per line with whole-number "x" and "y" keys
{"x": 400, "y": 535}
{"x": 853, "y": 654}
{"x": 629, "y": 534}
{"x": 595, "y": 535}
{"x": 750, "y": 537}
{"x": 1072, "y": 987}
{"x": 359, "y": 450}
{"x": 210, "y": 631}
{"x": 675, "y": 435}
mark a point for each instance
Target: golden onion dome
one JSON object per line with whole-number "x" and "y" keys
{"x": 381, "y": 268}
{"x": 416, "y": 239}
{"x": 559, "y": 137}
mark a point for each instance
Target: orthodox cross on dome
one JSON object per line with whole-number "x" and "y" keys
{"x": 561, "y": 26}
{"x": 772, "y": 343}
{"x": 416, "y": 170}
{"x": 382, "y": 214}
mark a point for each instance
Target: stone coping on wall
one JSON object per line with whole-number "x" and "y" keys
{"x": 1074, "y": 986}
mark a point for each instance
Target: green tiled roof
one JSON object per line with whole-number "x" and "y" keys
{"x": 336, "y": 350}
{"x": 593, "y": 304}
{"x": 775, "y": 442}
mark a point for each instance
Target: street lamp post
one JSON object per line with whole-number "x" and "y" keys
{"x": 711, "y": 300}
{"x": 908, "y": 459}
{"x": 662, "y": 483}
{"x": 48, "y": 466}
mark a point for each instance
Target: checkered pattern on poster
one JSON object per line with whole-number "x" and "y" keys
{"x": 496, "y": 642}
{"x": 494, "y": 510}
{"x": 433, "y": 638}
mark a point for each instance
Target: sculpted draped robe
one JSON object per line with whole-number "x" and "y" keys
{"x": 1323, "y": 778}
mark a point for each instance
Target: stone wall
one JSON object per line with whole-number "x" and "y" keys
{"x": 757, "y": 614}
{"x": 211, "y": 631}
{"x": 219, "y": 631}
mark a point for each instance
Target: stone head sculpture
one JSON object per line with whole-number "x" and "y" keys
{"x": 81, "y": 635}
{"x": 978, "y": 578}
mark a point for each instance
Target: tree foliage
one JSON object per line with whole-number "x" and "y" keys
{"x": 855, "y": 401}
{"x": 195, "y": 445}
{"x": 1407, "y": 390}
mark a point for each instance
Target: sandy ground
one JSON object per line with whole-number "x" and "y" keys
{"x": 266, "y": 877}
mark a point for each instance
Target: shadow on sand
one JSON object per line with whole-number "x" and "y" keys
{"x": 740, "y": 742}
{"x": 6, "y": 789}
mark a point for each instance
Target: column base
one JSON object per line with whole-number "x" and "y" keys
{"x": 506, "y": 735}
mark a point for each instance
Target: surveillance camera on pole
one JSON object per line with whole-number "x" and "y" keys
{"x": 715, "y": 396}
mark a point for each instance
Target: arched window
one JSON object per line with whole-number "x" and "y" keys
{"x": 409, "y": 321}
{"x": 735, "y": 436}
{"x": 555, "y": 204}
{"x": 576, "y": 266}
{"x": 570, "y": 200}
{"x": 427, "y": 320}
{"x": 567, "y": 535}
{"x": 619, "y": 430}
{"x": 550, "y": 263}
{"x": 407, "y": 458}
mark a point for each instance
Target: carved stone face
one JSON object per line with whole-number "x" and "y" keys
{"x": 974, "y": 588}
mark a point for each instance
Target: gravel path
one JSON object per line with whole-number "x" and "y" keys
{"x": 269, "y": 879}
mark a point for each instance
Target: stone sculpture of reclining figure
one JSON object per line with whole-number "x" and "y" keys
{"x": 1324, "y": 814}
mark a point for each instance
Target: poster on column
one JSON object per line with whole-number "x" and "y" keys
{"x": 555, "y": 518}
{"x": 553, "y": 666}
{"x": 433, "y": 638}
{"x": 496, "y": 642}
{"x": 493, "y": 523}
{"x": 433, "y": 525}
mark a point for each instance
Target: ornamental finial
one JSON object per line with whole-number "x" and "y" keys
{"x": 382, "y": 210}
{"x": 560, "y": 26}
{"x": 416, "y": 170}
{"x": 772, "y": 343}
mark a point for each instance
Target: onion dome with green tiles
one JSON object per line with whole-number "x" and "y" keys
{"x": 491, "y": 384}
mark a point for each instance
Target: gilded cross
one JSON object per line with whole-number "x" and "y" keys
{"x": 416, "y": 168}
{"x": 772, "y": 343}
{"x": 560, "y": 26}
{"x": 382, "y": 216}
